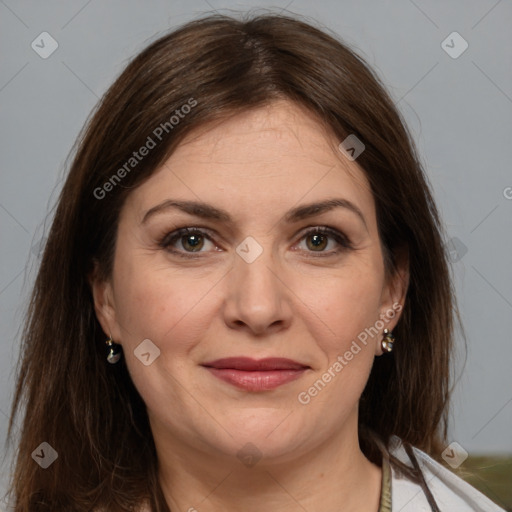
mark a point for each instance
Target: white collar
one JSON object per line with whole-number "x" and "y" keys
{"x": 450, "y": 492}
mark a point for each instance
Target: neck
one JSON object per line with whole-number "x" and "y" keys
{"x": 333, "y": 474}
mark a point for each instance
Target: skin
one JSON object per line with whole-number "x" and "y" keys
{"x": 293, "y": 301}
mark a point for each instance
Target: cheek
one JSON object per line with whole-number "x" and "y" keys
{"x": 347, "y": 308}
{"x": 353, "y": 318}
{"x": 168, "y": 308}
{"x": 157, "y": 303}
{"x": 347, "y": 303}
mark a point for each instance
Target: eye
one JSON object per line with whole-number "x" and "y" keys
{"x": 317, "y": 240}
{"x": 191, "y": 240}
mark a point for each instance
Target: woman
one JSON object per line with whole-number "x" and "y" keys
{"x": 248, "y": 229}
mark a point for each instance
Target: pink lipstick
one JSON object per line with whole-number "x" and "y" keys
{"x": 256, "y": 375}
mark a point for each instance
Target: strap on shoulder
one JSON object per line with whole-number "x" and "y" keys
{"x": 423, "y": 483}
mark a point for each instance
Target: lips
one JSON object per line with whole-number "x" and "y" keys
{"x": 252, "y": 365}
{"x": 256, "y": 375}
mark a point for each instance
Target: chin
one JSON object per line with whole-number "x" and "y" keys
{"x": 271, "y": 434}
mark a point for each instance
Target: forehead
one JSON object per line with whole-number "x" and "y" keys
{"x": 276, "y": 132}
{"x": 263, "y": 159}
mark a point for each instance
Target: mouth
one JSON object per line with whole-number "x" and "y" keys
{"x": 256, "y": 375}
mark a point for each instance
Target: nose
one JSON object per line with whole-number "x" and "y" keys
{"x": 258, "y": 300}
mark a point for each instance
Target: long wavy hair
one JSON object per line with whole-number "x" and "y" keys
{"x": 89, "y": 411}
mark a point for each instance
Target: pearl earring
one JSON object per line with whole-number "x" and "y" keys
{"x": 387, "y": 342}
{"x": 115, "y": 351}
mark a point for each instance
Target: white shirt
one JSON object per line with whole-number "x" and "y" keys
{"x": 451, "y": 493}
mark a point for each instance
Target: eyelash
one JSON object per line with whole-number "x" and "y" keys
{"x": 172, "y": 237}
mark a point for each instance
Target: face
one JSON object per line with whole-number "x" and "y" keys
{"x": 258, "y": 275}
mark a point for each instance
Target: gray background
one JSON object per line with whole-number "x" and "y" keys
{"x": 458, "y": 110}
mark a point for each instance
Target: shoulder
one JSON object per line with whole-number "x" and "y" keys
{"x": 449, "y": 491}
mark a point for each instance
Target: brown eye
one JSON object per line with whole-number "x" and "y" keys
{"x": 193, "y": 241}
{"x": 325, "y": 241}
{"x": 186, "y": 241}
{"x": 318, "y": 242}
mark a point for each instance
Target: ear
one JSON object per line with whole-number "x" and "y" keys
{"x": 104, "y": 305}
{"x": 393, "y": 295}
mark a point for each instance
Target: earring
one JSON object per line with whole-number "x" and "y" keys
{"x": 115, "y": 351}
{"x": 387, "y": 343}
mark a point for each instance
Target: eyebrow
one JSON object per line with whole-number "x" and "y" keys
{"x": 208, "y": 211}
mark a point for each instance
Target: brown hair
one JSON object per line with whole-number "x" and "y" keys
{"x": 89, "y": 411}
